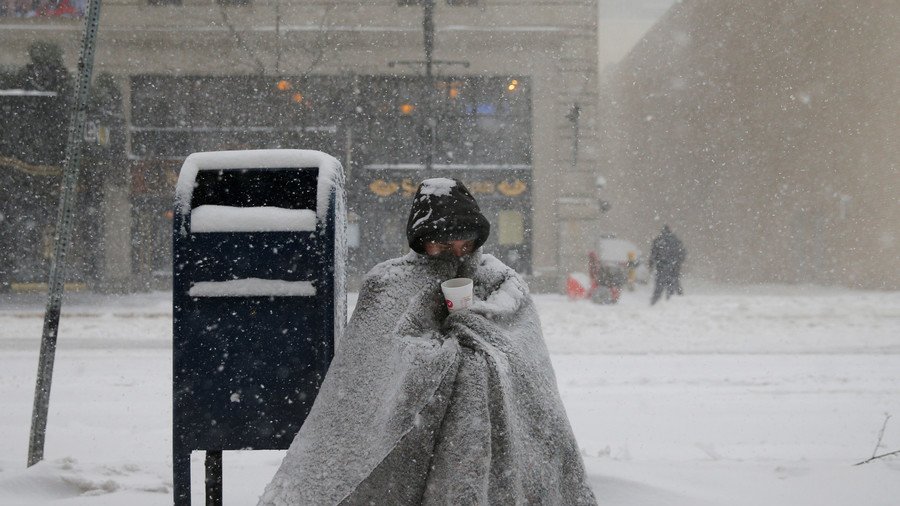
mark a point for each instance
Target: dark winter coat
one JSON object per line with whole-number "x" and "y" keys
{"x": 444, "y": 210}
{"x": 667, "y": 252}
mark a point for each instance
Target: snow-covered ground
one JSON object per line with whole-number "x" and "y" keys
{"x": 763, "y": 395}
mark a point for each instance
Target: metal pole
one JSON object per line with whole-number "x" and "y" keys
{"x": 428, "y": 33}
{"x": 63, "y": 235}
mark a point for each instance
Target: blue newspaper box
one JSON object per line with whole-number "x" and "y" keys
{"x": 258, "y": 299}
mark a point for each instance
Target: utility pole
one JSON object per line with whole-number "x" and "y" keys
{"x": 64, "y": 226}
{"x": 431, "y": 106}
{"x": 428, "y": 32}
{"x": 430, "y": 122}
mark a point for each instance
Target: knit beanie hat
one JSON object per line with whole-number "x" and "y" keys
{"x": 444, "y": 210}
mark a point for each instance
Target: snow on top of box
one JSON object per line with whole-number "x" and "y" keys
{"x": 253, "y": 287}
{"x": 212, "y": 218}
{"x": 26, "y": 93}
{"x": 330, "y": 171}
{"x": 437, "y": 186}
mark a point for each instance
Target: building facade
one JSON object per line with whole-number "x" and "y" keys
{"x": 765, "y": 135}
{"x": 501, "y": 94}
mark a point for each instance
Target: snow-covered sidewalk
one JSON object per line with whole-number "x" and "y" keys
{"x": 728, "y": 396}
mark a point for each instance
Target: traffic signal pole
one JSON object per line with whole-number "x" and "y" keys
{"x": 64, "y": 224}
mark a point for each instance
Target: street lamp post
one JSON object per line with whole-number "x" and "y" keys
{"x": 431, "y": 123}
{"x": 428, "y": 33}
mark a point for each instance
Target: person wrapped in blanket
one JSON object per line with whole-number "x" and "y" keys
{"x": 422, "y": 406}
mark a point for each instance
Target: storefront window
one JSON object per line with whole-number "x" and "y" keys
{"x": 512, "y": 228}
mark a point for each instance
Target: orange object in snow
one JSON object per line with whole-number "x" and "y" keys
{"x": 578, "y": 285}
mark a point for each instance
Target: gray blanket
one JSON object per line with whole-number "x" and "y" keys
{"x": 420, "y": 407}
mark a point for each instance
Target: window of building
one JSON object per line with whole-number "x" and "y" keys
{"x": 173, "y": 115}
{"x": 512, "y": 228}
{"x": 478, "y": 120}
{"x": 453, "y": 121}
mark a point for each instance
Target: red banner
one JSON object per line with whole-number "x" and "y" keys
{"x": 42, "y": 8}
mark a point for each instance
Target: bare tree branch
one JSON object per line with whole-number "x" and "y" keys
{"x": 260, "y": 66}
{"x": 875, "y": 456}
{"x": 887, "y": 416}
{"x": 316, "y": 51}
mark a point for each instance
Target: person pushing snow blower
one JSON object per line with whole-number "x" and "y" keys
{"x": 427, "y": 405}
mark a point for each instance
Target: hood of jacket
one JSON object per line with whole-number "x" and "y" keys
{"x": 444, "y": 210}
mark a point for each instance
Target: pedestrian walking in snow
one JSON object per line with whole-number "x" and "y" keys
{"x": 425, "y": 406}
{"x": 667, "y": 254}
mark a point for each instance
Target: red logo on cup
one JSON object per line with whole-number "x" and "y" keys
{"x": 449, "y": 304}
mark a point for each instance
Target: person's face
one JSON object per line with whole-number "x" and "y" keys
{"x": 450, "y": 248}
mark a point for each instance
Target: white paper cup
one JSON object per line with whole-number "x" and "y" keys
{"x": 457, "y": 293}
